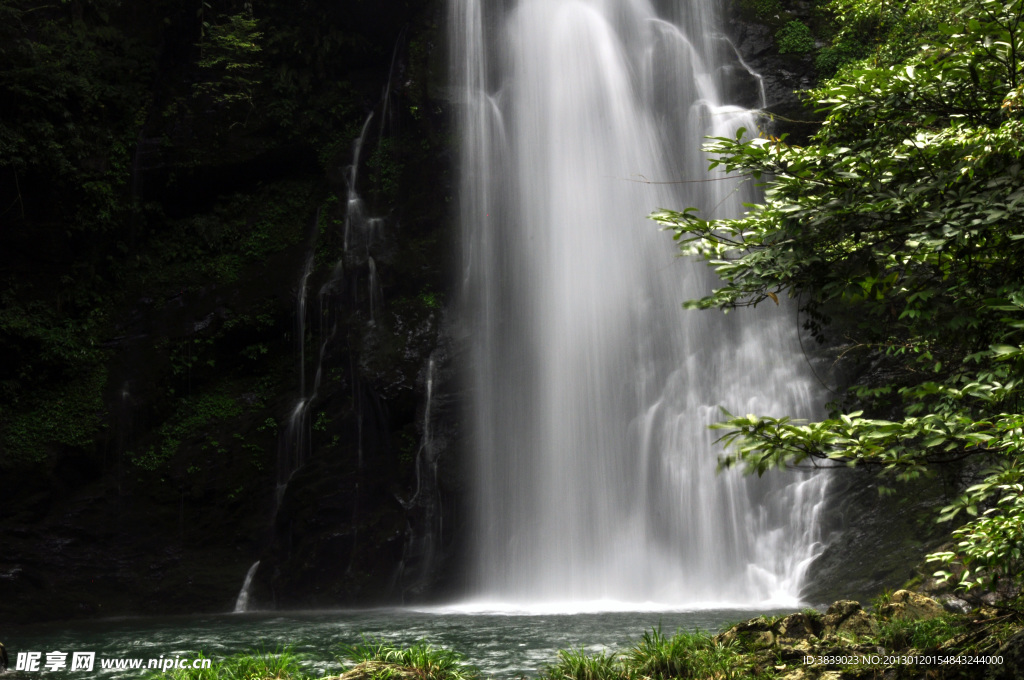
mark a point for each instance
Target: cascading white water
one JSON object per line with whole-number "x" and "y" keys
{"x": 242, "y": 601}
{"x": 595, "y": 470}
{"x": 360, "y": 232}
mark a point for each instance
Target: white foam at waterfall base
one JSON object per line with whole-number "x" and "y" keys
{"x": 595, "y": 474}
{"x": 483, "y": 606}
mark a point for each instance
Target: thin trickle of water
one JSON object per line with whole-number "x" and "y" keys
{"x": 426, "y": 454}
{"x": 595, "y": 472}
{"x": 242, "y": 602}
{"x": 386, "y": 119}
{"x": 375, "y": 294}
{"x": 423, "y": 542}
{"x": 355, "y": 211}
{"x": 294, "y": 443}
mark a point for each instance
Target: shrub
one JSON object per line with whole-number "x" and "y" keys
{"x": 831, "y": 59}
{"x": 794, "y": 38}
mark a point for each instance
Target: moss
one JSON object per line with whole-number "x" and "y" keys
{"x": 70, "y": 415}
{"x": 430, "y": 299}
{"x": 385, "y": 170}
{"x": 236, "y": 233}
{"x": 194, "y": 417}
{"x": 766, "y": 11}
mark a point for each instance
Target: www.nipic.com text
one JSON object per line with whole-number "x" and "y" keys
{"x": 86, "y": 661}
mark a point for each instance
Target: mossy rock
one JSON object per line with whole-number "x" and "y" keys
{"x": 905, "y": 605}
{"x": 753, "y": 634}
{"x": 379, "y": 670}
{"x": 813, "y": 674}
{"x": 795, "y": 650}
{"x": 845, "y": 618}
{"x": 799, "y": 625}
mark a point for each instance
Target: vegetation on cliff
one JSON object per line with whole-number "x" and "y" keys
{"x": 133, "y": 142}
{"x": 162, "y": 169}
{"x": 898, "y": 232}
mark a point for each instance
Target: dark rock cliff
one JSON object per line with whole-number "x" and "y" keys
{"x": 149, "y": 446}
{"x": 753, "y": 28}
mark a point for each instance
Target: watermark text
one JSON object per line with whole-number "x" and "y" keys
{"x": 42, "y": 662}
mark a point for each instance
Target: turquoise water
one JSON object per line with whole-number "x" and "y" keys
{"x": 504, "y": 646}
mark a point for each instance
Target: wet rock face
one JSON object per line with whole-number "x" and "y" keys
{"x": 783, "y": 76}
{"x": 873, "y": 542}
{"x": 202, "y": 358}
{"x": 337, "y": 539}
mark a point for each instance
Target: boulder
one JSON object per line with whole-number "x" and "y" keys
{"x": 954, "y": 604}
{"x": 846, "y": 618}
{"x": 839, "y": 610}
{"x": 906, "y": 605}
{"x": 755, "y": 633}
{"x": 794, "y": 650}
{"x": 810, "y": 674}
{"x": 797, "y": 674}
{"x": 798, "y": 625}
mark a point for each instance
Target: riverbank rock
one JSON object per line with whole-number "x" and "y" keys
{"x": 753, "y": 634}
{"x": 908, "y": 606}
{"x": 808, "y": 674}
{"x": 952, "y": 603}
{"x": 845, "y": 618}
{"x": 799, "y": 625}
{"x": 1012, "y": 667}
{"x": 849, "y": 643}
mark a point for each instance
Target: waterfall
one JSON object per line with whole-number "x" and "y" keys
{"x": 426, "y": 531}
{"x": 242, "y": 603}
{"x": 595, "y": 472}
{"x": 360, "y": 231}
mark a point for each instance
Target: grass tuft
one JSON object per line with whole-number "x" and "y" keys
{"x": 378, "y": 660}
{"x": 575, "y": 664}
{"x": 258, "y": 664}
{"x": 684, "y": 655}
{"x": 655, "y": 657}
{"x": 922, "y": 635}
